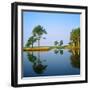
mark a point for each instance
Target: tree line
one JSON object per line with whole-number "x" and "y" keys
{"x": 75, "y": 37}
{"x": 38, "y": 32}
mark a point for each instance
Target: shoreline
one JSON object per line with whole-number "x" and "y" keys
{"x": 48, "y": 48}
{"x": 36, "y": 49}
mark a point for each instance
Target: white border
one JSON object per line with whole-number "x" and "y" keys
{"x": 53, "y": 78}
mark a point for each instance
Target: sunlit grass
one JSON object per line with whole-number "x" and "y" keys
{"x": 36, "y": 49}
{"x": 46, "y": 48}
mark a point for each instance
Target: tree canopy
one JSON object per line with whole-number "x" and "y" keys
{"x": 31, "y": 41}
{"x": 38, "y": 31}
{"x": 61, "y": 42}
{"x": 75, "y": 36}
{"x": 55, "y": 42}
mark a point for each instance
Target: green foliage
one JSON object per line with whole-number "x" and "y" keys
{"x": 75, "y": 36}
{"x": 38, "y": 31}
{"x": 55, "y": 43}
{"x": 30, "y": 41}
{"x": 75, "y": 59}
{"x": 61, "y": 42}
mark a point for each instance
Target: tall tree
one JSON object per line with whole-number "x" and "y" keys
{"x": 75, "y": 36}
{"x": 55, "y": 43}
{"x": 38, "y": 31}
{"x": 31, "y": 41}
{"x": 61, "y": 42}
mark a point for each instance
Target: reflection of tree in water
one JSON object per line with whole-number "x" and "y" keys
{"x": 56, "y": 51}
{"x": 60, "y": 51}
{"x": 75, "y": 58}
{"x": 38, "y": 65}
{"x": 31, "y": 57}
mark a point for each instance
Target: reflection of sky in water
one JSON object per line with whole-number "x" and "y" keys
{"x": 57, "y": 64}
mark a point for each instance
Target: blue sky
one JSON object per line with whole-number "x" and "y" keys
{"x": 57, "y": 25}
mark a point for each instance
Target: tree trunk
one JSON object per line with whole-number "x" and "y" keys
{"x": 38, "y": 43}
{"x": 75, "y": 44}
{"x": 32, "y": 45}
{"x": 78, "y": 44}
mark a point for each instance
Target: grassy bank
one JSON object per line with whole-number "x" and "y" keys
{"x": 36, "y": 49}
{"x": 46, "y": 48}
{"x": 42, "y": 48}
{"x": 70, "y": 47}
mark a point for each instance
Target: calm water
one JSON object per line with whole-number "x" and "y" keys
{"x": 51, "y": 63}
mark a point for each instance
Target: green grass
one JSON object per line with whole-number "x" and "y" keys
{"x": 51, "y": 47}
{"x": 42, "y": 47}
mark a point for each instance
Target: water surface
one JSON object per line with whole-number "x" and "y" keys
{"x": 51, "y": 63}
